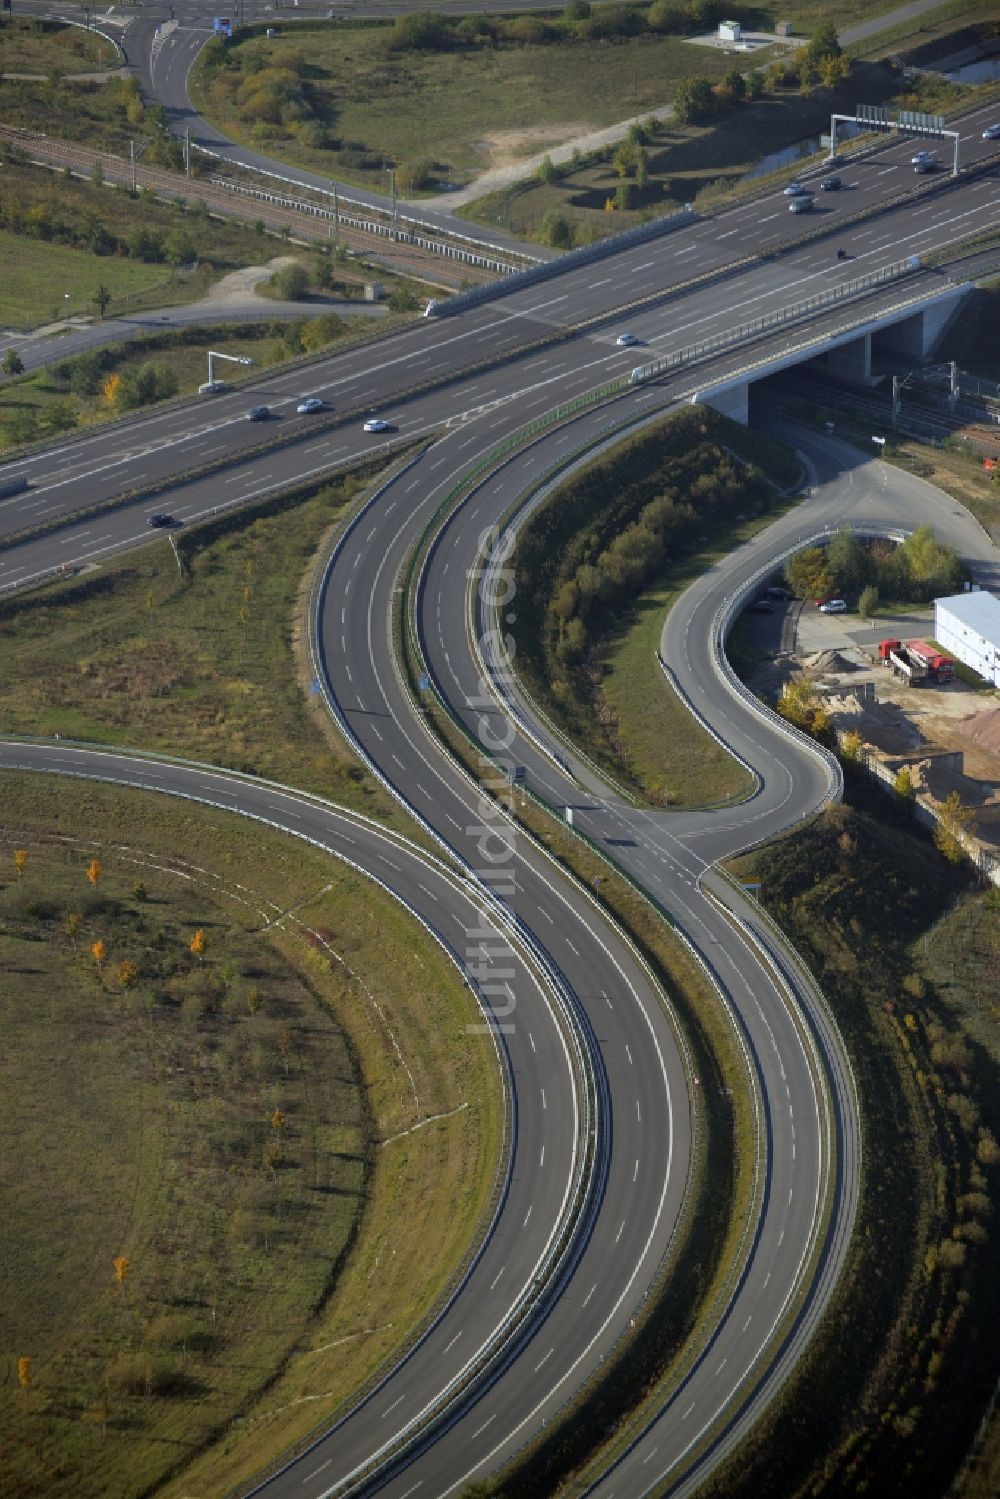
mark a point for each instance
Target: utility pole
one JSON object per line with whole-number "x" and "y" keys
{"x": 336, "y": 214}
{"x": 392, "y": 198}
{"x": 187, "y": 150}
{"x": 953, "y": 391}
{"x": 131, "y": 157}
{"x": 896, "y": 403}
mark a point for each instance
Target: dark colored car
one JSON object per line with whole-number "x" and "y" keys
{"x": 760, "y": 606}
{"x": 831, "y": 184}
{"x": 258, "y": 413}
{"x": 159, "y": 518}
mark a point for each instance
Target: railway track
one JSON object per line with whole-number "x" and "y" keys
{"x": 402, "y": 259}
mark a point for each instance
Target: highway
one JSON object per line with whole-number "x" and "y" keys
{"x": 519, "y": 1350}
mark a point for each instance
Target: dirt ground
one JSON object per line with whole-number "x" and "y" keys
{"x": 917, "y": 726}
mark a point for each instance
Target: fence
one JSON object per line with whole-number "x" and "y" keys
{"x": 583, "y": 256}
{"x": 375, "y": 227}
{"x": 784, "y": 315}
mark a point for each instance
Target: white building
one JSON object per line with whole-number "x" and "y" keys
{"x": 729, "y": 31}
{"x": 967, "y": 625}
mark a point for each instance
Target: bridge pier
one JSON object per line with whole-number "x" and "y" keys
{"x": 917, "y": 336}
{"x": 732, "y": 399}
{"x": 851, "y": 361}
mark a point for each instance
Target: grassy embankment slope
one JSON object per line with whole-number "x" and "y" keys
{"x": 905, "y": 947}
{"x": 211, "y": 666}
{"x": 597, "y": 567}
{"x": 261, "y": 1283}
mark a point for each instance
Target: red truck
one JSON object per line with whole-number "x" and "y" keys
{"x": 924, "y": 657}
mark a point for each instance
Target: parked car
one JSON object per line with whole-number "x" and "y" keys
{"x": 159, "y": 518}
{"x": 376, "y": 424}
{"x": 626, "y": 340}
{"x": 760, "y": 606}
{"x": 309, "y": 405}
{"x": 800, "y": 205}
{"x": 833, "y": 606}
{"x": 777, "y": 592}
{"x": 258, "y": 413}
{"x": 831, "y": 184}
{"x": 795, "y": 190}
{"x": 991, "y": 133}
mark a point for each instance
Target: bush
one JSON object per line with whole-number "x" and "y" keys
{"x": 291, "y": 283}
{"x": 424, "y": 31}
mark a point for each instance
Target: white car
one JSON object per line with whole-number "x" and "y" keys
{"x": 626, "y": 340}
{"x": 833, "y": 606}
{"x": 921, "y": 156}
{"x": 376, "y": 424}
{"x": 309, "y": 405}
{"x": 991, "y": 133}
{"x": 795, "y": 190}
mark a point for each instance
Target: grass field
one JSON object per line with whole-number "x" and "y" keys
{"x": 888, "y": 1397}
{"x": 47, "y": 261}
{"x": 206, "y": 665}
{"x": 55, "y": 281}
{"x": 30, "y": 46}
{"x": 144, "y": 1116}
{"x": 462, "y": 111}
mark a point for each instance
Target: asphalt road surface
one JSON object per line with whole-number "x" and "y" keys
{"x": 638, "y": 1091}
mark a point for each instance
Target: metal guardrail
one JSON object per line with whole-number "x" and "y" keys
{"x": 599, "y": 250}
{"x": 846, "y": 291}
{"x": 379, "y": 228}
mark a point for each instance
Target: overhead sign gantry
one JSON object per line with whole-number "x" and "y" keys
{"x": 906, "y": 122}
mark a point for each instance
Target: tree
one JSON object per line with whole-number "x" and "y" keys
{"x": 102, "y": 298}
{"x": 755, "y": 84}
{"x": 20, "y": 860}
{"x": 278, "y": 1121}
{"x": 179, "y": 248}
{"x": 111, "y": 390}
{"x": 736, "y": 84}
{"x": 291, "y": 283}
{"x": 128, "y": 974}
{"x": 953, "y": 821}
{"x": 12, "y": 363}
{"x": 902, "y": 787}
{"x": 24, "y": 1373}
{"x": 849, "y": 564}
{"x": 95, "y": 869}
{"x": 822, "y": 44}
{"x": 555, "y": 230}
{"x": 98, "y": 951}
{"x": 693, "y": 101}
{"x": 808, "y": 575}
{"x": 197, "y": 944}
{"x": 850, "y": 745}
{"x": 868, "y": 601}
{"x": 546, "y": 171}
{"x": 122, "y": 1266}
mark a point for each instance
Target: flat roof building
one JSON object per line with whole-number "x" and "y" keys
{"x": 967, "y": 626}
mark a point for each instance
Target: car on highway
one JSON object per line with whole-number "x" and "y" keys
{"x": 309, "y": 405}
{"x": 831, "y": 184}
{"x": 626, "y": 340}
{"x": 801, "y": 205}
{"x": 833, "y": 606}
{"x": 930, "y": 165}
{"x": 795, "y": 190}
{"x": 212, "y": 387}
{"x": 376, "y": 424}
{"x": 991, "y": 133}
{"x": 920, "y": 156}
{"x": 159, "y": 518}
{"x": 258, "y": 413}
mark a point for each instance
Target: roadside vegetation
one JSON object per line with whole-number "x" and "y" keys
{"x": 200, "y": 1070}
{"x": 904, "y": 944}
{"x": 207, "y": 665}
{"x": 599, "y": 564}
{"x": 873, "y": 572}
{"x": 63, "y": 239}
{"x": 29, "y": 45}
{"x": 106, "y": 382}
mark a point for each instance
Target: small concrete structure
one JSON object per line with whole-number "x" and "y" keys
{"x": 729, "y": 31}
{"x": 967, "y": 625}
{"x": 374, "y": 291}
{"x": 783, "y": 28}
